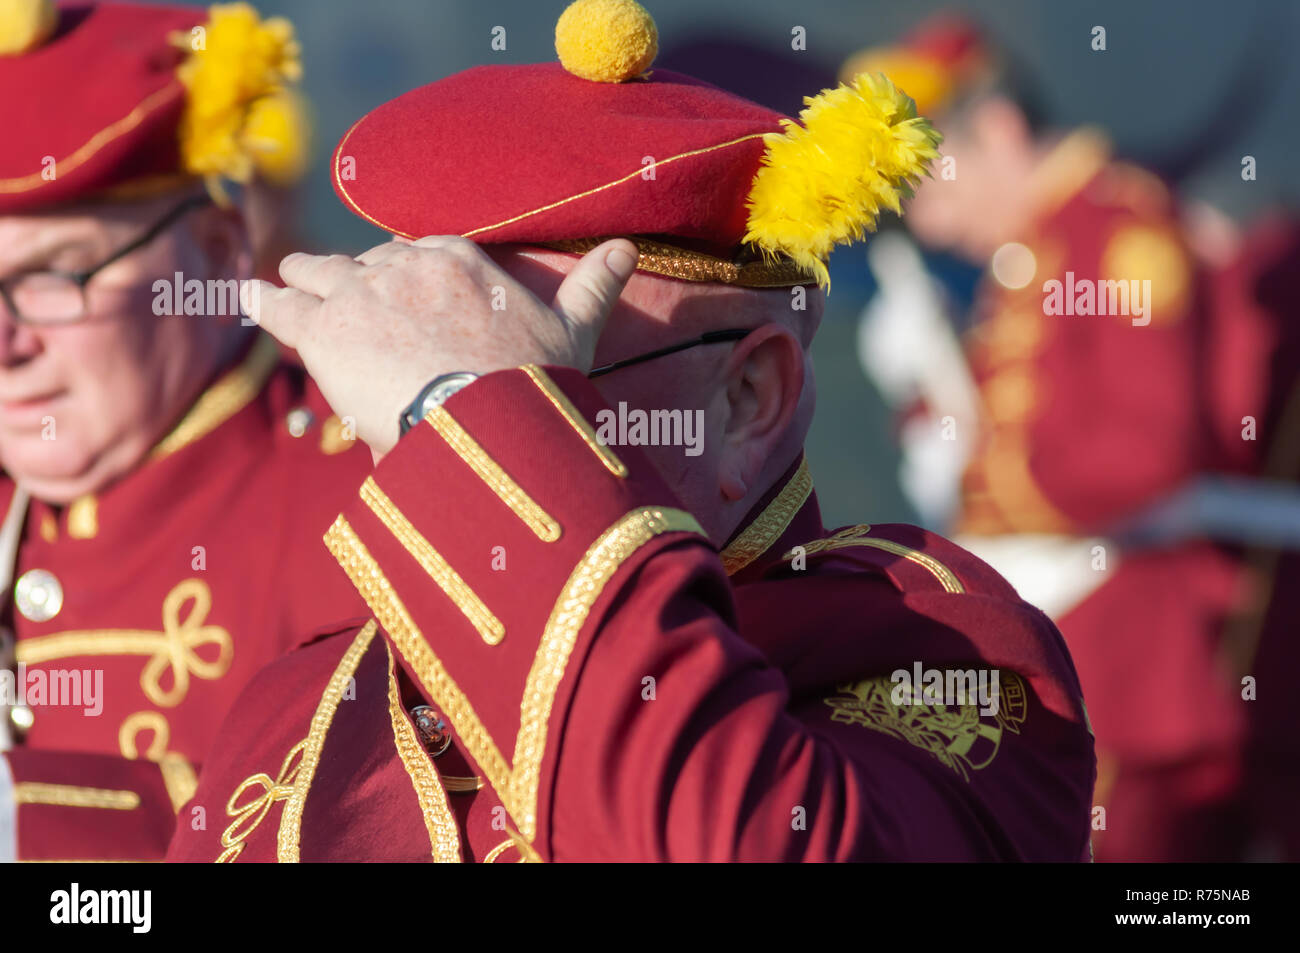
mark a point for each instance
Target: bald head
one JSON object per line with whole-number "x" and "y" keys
{"x": 753, "y": 399}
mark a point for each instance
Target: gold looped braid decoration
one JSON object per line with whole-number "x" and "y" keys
{"x": 247, "y": 817}
{"x": 175, "y": 649}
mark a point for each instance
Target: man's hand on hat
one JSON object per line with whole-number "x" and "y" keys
{"x": 376, "y": 329}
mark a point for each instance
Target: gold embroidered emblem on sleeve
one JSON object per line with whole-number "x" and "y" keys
{"x": 957, "y": 736}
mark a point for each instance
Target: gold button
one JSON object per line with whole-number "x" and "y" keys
{"x": 38, "y": 595}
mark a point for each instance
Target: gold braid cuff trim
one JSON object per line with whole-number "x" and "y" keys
{"x": 516, "y": 784}
{"x": 291, "y": 820}
{"x": 444, "y": 840}
{"x": 856, "y": 536}
{"x": 756, "y": 538}
{"x": 488, "y": 626}
{"x": 581, "y": 427}
{"x": 69, "y": 795}
{"x": 228, "y": 396}
{"x": 489, "y": 471}
{"x": 660, "y": 258}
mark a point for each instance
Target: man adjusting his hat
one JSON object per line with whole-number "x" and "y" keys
{"x": 585, "y": 649}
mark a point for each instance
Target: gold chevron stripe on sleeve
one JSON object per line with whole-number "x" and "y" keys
{"x": 489, "y": 471}
{"x": 488, "y": 626}
{"x": 575, "y": 419}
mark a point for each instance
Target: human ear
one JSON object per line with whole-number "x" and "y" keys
{"x": 764, "y": 384}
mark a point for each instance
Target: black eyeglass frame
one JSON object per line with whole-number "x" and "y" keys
{"x": 82, "y": 278}
{"x": 708, "y": 337}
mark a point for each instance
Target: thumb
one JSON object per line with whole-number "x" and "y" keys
{"x": 587, "y": 295}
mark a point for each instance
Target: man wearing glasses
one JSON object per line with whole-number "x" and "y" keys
{"x": 593, "y": 650}
{"x": 167, "y": 476}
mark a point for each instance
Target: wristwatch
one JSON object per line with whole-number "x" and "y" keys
{"x": 433, "y": 394}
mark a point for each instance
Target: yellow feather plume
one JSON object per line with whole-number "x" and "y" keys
{"x": 239, "y": 116}
{"x": 858, "y": 149}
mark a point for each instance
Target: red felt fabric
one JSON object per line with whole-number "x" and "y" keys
{"x": 462, "y": 155}
{"x": 73, "y": 98}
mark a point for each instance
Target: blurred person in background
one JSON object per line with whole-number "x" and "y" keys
{"x": 167, "y": 475}
{"x": 1081, "y": 432}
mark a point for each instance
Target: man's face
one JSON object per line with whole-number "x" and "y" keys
{"x": 81, "y": 404}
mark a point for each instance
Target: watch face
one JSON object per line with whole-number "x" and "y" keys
{"x": 450, "y": 386}
{"x": 437, "y": 392}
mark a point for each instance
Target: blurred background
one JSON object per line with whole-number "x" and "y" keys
{"x": 1135, "y": 481}
{"x": 1185, "y": 88}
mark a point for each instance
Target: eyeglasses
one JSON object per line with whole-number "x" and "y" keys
{"x": 708, "y": 337}
{"x": 59, "y": 297}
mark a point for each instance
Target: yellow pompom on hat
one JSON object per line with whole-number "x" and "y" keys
{"x": 179, "y": 93}
{"x": 607, "y": 41}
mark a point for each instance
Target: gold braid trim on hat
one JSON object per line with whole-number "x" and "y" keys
{"x": 660, "y": 258}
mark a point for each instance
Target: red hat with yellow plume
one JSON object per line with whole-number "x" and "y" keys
{"x": 712, "y": 187}
{"x": 117, "y": 99}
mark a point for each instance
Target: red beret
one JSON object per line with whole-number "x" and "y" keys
{"x": 534, "y": 153}
{"x": 108, "y": 98}
{"x": 711, "y": 186}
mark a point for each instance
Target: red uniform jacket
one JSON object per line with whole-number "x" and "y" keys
{"x": 1087, "y": 420}
{"x": 616, "y": 691}
{"x": 177, "y": 583}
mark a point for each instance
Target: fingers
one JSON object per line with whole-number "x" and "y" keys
{"x": 286, "y": 313}
{"x": 381, "y": 253}
{"x": 589, "y": 291}
{"x": 317, "y": 274}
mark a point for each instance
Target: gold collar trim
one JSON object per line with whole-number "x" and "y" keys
{"x": 758, "y": 536}
{"x": 231, "y": 393}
